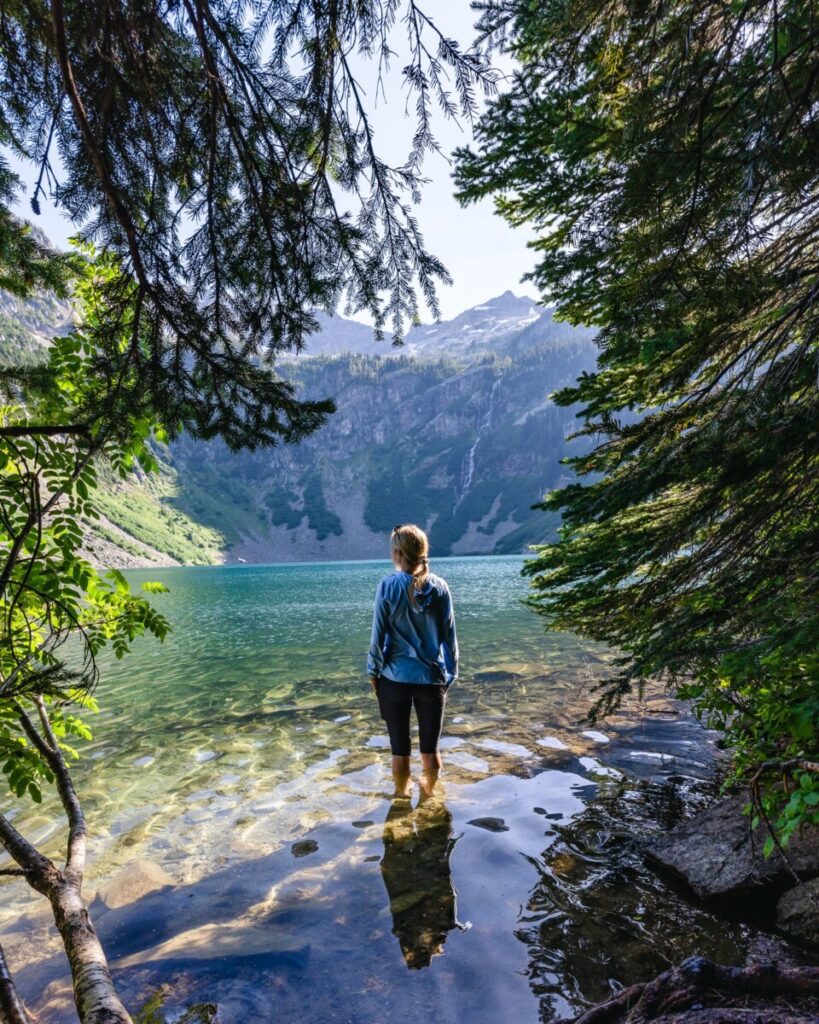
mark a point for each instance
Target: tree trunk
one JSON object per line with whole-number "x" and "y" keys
{"x": 94, "y": 993}
{"x": 12, "y": 1010}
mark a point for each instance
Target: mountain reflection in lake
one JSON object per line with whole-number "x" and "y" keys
{"x": 246, "y": 762}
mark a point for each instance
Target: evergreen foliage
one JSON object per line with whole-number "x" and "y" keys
{"x": 668, "y": 158}
{"x": 208, "y": 151}
{"x": 222, "y": 153}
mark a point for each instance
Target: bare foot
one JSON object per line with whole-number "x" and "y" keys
{"x": 428, "y": 781}
{"x": 403, "y": 785}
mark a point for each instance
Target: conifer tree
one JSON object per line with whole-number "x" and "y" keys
{"x": 222, "y": 150}
{"x": 667, "y": 156}
{"x": 220, "y": 164}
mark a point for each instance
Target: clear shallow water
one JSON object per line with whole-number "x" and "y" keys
{"x": 516, "y": 892}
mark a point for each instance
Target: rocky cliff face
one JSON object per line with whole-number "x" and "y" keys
{"x": 26, "y": 327}
{"x": 462, "y": 443}
{"x": 453, "y": 430}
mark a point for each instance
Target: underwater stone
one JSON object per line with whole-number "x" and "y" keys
{"x": 593, "y": 734}
{"x": 490, "y": 824}
{"x": 493, "y": 676}
{"x": 303, "y": 847}
{"x": 132, "y": 882}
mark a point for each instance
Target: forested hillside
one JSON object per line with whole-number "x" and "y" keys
{"x": 454, "y": 430}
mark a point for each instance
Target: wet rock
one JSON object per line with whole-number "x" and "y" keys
{"x": 717, "y": 856}
{"x": 771, "y": 949}
{"x": 797, "y": 912}
{"x": 362, "y": 824}
{"x": 490, "y": 824}
{"x": 132, "y": 882}
{"x": 303, "y": 847}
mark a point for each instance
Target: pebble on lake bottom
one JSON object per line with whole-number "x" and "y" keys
{"x": 490, "y": 824}
{"x": 303, "y": 847}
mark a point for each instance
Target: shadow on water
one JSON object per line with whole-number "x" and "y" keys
{"x": 312, "y": 937}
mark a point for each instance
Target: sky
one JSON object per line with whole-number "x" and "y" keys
{"x": 482, "y": 253}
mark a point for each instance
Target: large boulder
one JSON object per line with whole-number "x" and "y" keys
{"x": 797, "y": 912}
{"x": 718, "y": 856}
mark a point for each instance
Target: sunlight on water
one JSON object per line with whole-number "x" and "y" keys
{"x": 245, "y": 759}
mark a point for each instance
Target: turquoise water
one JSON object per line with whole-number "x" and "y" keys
{"x": 244, "y": 757}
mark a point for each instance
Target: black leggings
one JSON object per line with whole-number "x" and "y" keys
{"x": 395, "y": 701}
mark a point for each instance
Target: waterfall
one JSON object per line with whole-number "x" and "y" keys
{"x": 469, "y": 461}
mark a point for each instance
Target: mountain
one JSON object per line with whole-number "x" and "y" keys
{"x": 27, "y": 326}
{"x": 453, "y": 430}
{"x": 471, "y": 332}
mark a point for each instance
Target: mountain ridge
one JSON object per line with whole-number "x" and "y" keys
{"x": 453, "y": 430}
{"x": 493, "y": 318}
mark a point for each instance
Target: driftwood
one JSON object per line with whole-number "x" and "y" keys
{"x": 698, "y": 991}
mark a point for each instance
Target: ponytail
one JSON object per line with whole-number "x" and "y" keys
{"x": 412, "y": 544}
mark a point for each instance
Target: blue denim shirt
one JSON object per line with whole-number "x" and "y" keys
{"x": 409, "y": 645}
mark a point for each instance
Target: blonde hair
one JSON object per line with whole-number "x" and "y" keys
{"x": 410, "y": 541}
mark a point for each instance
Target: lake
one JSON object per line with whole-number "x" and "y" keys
{"x": 245, "y": 759}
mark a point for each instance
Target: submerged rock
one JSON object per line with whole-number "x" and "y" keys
{"x": 718, "y": 857}
{"x": 226, "y": 940}
{"x": 132, "y": 882}
{"x": 490, "y": 824}
{"x": 495, "y": 676}
{"x": 797, "y": 912}
{"x": 303, "y": 847}
{"x": 202, "y": 1013}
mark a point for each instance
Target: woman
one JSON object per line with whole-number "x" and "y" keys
{"x": 413, "y": 655}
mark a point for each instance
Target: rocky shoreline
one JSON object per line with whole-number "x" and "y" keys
{"x": 718, "y": 858}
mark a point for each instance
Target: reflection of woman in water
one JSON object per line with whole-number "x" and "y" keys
{"x": 415, "y": 868}
{"x": 413, "y": 655}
